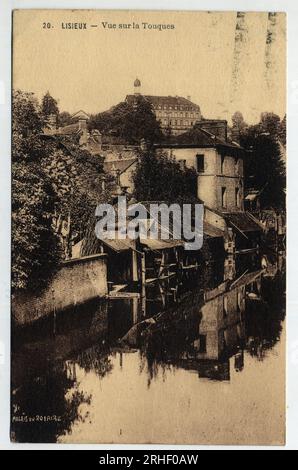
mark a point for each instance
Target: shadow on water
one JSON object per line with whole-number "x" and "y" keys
{"x": 200, "y": 332}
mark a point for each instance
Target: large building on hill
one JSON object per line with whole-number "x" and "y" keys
{"x": 175, "y": 113}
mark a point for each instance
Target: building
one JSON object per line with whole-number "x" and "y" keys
{"x": 110, "y": 147}
{"x": 176, "y": 114}
{"x": 220, "y": 181}
{"x": 219, "y": 165}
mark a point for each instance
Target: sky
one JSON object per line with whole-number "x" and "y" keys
{"x": 94, "y": 68}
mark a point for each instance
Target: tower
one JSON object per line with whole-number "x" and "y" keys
{"x": 137, "y": 87}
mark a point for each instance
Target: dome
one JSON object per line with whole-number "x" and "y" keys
{"x": 137, "y": 83}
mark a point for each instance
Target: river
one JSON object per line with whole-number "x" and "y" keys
{"x": 206, "y": 369}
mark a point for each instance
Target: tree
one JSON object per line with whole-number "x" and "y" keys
{"x": 239, "y": 126}
{"x": 49, "y": 105}
{"x": 64, "y": 119}
{"x": 35, "y": 247}
{"x": 160, "y": 178}
{"x": 264, "y": 168}
{"x": 131, "y": 122}
{"x": 283, "y": 131}
{"x": 52, "y": 180}
{"x": 270, "y": 123}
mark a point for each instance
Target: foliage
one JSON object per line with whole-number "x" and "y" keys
{"x": 131, "y": 122}
{"x": 264, "y": 168}
{"x": 64, "y": 119}
{"x": 35, "y": 247}
{"x": 283, "y": 131}
{"x": 49, "y": 105}
{"x": 239, "y": 126}
{"x": 56, "y": 394}
{"x": 160, "y": 178}
{"x": 270, "y": 123}
{"x": 49, "y": 178}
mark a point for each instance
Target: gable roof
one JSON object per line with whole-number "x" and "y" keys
{"x": 80, "y": 114}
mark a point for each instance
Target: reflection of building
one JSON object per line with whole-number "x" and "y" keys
{"x": 221, "y": 330}
{"x": 221, "y": 327}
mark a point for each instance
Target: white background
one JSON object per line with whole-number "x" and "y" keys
{"x": 291, "y": 7}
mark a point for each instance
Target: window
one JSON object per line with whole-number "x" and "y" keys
{"x": 237, "y": 166}
{"x": 202, "y": 344}
{"x": 222, "y": 163}
{"x": 224, "y": 197}
{"x": 225, "y": 307}
{"x": 237, "y": 197}
{"x": 200, "y": 163}
{"x": 239, "y": 302}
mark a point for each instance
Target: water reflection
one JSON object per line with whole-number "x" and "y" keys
{"x": 211, "y": 332}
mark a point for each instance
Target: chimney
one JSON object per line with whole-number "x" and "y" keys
{"x": 82, "y": 123}
{"x": 84, "y": 131}
{"x": 97, "y": 138}
{"x": 218, "y": 127}
{"x": 235, "y": 134}
{"x": 188, "y": 98}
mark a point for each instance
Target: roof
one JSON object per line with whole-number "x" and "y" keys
{"x": 161, "y": 244}
{"x": 127, "y": 244}
{"x": 197, "y": 137}
{"x": 120, "y": 165}
{"x": 251, "y": 197}
{"x": 243, "y": 221}
{"x": 80, "y": 115}
{"x": 252, "y": 194}
{"x": 212, "y": 231}
{"x": 119, "y": 245}
{"x": 70, "y": 129}
{"x": 166, "y": 101}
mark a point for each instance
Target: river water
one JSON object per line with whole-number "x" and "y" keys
{"x": 205, "y": 369}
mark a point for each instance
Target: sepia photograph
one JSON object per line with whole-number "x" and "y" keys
{"x": 148, "y": 233}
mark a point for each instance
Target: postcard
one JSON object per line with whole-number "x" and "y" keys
{"x": 148, "y": 227}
